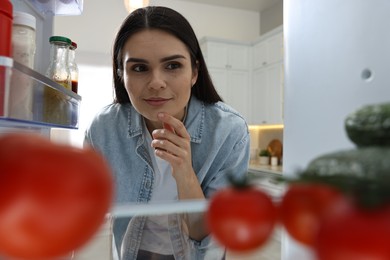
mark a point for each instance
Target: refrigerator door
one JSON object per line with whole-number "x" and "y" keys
{"x": 337, "y": 59}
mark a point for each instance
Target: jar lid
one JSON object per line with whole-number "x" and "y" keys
{"x": 60, "y": 39}
{"x": 23, "y": 18}
{"x": 6, "y": 8}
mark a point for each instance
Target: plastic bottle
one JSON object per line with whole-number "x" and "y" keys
{"x": 23, "y": 38}
{"x": 5, "y": 45}
{"x": 58, "y": 69}
{"x": 74, "y": 70}
{"x": 23, "y": 51}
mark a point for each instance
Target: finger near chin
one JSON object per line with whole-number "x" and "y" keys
{"x": 169, "y": 127}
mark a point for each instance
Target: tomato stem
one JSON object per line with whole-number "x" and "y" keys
{"x": 239, "y": 183}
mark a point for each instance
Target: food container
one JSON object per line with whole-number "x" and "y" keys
{"x": 23, "y": 51}
{"x": 6, "y": 27}
{"x": 23, "y": 38}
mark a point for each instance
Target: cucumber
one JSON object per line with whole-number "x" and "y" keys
{"x": 369, "y": 126}
{"x": 364, "y": 162}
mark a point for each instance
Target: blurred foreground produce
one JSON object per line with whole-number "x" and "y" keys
{"x": 241, "y": 218}
{"x": 370, "y": 125}
{"x": 303, "y": 207}
{"x": 354, "y": 232}
{"x": 339, "y": 206}
{"x": 357, "y": 224}
{"x": 53, "y": 198}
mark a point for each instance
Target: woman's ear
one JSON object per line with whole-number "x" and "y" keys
{"x": 195, "y": 71}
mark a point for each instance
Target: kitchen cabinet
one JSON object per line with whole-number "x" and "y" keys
{"x": 233, "y": 87}
{"x": 249, "y": 77}
{"x": 267, "y": 95}
{"x": 225, "y": 55}
{"x": 229, "y": 68}
{"x": 269, "y": 49}
{"x": 267, "y": 79}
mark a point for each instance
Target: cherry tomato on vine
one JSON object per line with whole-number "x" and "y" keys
{"x": 353, "y": 232}
{"x": 303, "y": 207}
{"x": 53, "y": 197}
{"x": 241, "y": 219}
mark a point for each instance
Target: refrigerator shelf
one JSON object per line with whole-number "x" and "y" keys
{"x": 58, "y": 7}
{"x": 29, "y": 99}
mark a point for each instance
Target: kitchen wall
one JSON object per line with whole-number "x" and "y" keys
{"x": 271, "y": 18}
{"x": 261, "y": 136}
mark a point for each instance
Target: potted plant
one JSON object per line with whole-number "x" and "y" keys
{"x": 264, "y": 156}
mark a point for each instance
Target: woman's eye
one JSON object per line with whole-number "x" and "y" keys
{"x": 172, "y": 66}
{"x": 139, "y": 68}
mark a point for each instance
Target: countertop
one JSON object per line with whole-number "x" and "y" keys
{"x": 258, "y": 168}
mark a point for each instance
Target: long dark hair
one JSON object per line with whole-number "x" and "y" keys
{"x": 163, "y": 18}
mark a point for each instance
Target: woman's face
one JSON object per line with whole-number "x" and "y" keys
{"x": 158, "y": 75}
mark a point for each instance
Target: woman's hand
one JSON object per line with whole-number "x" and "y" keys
{"x": 172, "y": 143}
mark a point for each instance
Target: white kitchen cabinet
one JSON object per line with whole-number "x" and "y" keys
{"x": 234, "y": 87}
{"x": 267, "y": 95}
{"x": 268, "y": 50}
{"x": 249, "y": 77}
{"x": 226, "y": 55}
{"x": 229, "y": 67}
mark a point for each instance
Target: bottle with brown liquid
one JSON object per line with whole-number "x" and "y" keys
{"x": 57, "y": 108}
{"x": 74, "y": 70}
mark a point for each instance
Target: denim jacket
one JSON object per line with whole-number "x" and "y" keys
{"x": 219, "y": 146}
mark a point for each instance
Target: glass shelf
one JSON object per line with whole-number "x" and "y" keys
{"x": 100, "y": 246}
{"x": 29, "y": 99}
{"x": 58, "y": 7}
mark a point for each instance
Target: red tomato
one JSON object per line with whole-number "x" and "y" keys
{"x": 53, "y": 197}
{"x": 302, "y": 208}
{"x": 355, "y": 233}
{"x": 241, "y": 219}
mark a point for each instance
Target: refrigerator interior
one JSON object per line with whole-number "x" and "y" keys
{"x": 23, "y": 87}
{"x": 336, "y": 60}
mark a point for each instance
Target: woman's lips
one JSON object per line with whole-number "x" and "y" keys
{"x": 156, "y": 101}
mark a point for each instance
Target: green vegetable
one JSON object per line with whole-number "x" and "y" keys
{"x": 370, "y": 162}
{"x": 362, "y": 173}
{"x": 265, "y": 153}
{"x": 370, "y": 125}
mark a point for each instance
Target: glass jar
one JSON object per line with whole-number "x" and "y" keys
{"x": 23, "y": 38}
{"x": 58, "y": 69}
{"x": 74, "y": 70}
{"x": 57, "y": 105}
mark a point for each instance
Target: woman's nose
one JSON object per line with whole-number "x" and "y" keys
{"x": 157, "y": 80}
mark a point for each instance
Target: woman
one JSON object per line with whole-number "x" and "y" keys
{"x": 167, "y": 135}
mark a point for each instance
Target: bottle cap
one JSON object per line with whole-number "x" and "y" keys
{"x": 73, "y": 45}
{"x": 23, "y": 18}
{"x": 60, "y": 39}
{"x": 6, "y": 8}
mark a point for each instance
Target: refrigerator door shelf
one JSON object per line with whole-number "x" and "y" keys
{"x": 58, "y": 7}
{"x": 29, "y": 99}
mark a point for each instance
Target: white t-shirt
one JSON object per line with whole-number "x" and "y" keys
{"x": 155, "y": 237}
